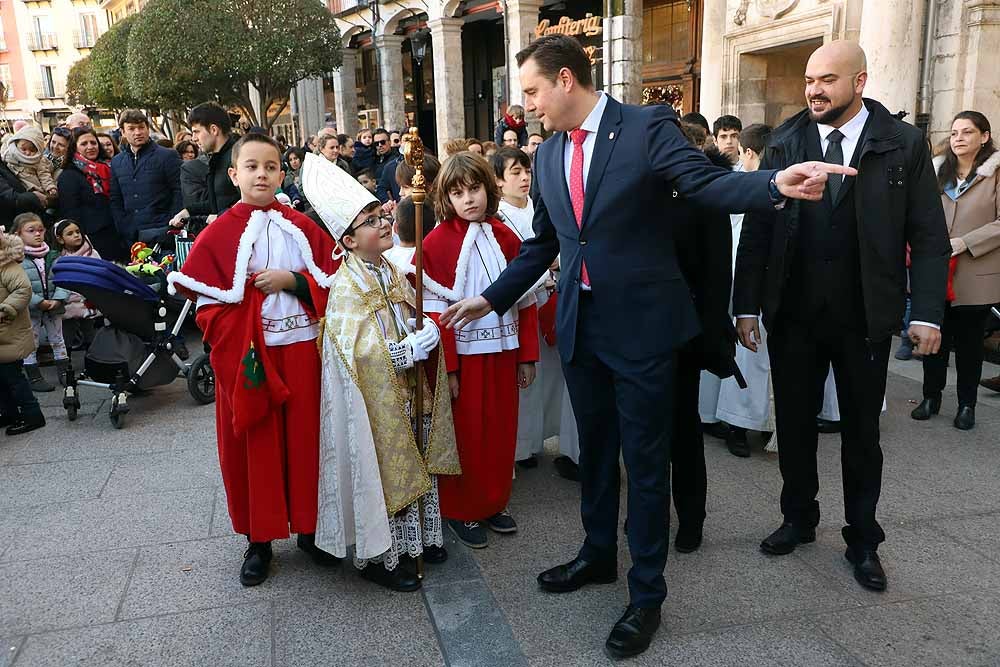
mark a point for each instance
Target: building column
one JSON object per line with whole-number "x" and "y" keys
{"x": 521, "y": 19}
{"x": 390, "y": 61}
{"x": 624, "y": 32}
{"x": 309, "y": 106}
{"x": 449, "y": 94}
{"x": 891, "y": 32}
{"x": 712, "y": 54}
{"x": 345, "y": 94}
{"x": 982, "y": 76}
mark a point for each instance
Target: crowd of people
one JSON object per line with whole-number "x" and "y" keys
{"x": 309, "y": 251}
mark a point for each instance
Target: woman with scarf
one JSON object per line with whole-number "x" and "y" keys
{"x": 85, "y": 191}
{"x": 513, "y": 120}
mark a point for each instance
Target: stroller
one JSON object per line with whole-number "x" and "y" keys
{"x": 135, "y": 350}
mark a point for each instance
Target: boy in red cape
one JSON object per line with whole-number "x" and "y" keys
{"x": 488, "y": 362}
{"x": 259, "y": 276}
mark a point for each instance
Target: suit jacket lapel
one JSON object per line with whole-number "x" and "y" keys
{"x": 604, "y": 144}
{"x": 855, "y": 161}
{"x": 557, "y": 167}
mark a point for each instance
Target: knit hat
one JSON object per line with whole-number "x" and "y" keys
{"x": 334, "y": 194}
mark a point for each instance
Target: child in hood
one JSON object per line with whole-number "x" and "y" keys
{"x": 78, "y": 320}
{"x": 23, "y": 154}
{"x": 19, "y": 410}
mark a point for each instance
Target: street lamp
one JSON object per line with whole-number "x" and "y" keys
{"x": 418, "y": 42}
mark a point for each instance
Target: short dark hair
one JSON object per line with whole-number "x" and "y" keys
{"x": 507, "y": 154}
{"x": 472, "y": 141}
{"x": 210, "y": 113}
{"x": 465, "y": 169}
{"x": 405, "y": 173}
{"x": 365, "y": 172}
{"x": 726, "y": 122}
{"x": 133, "y": 117}
{"x": 696, "y": 118}
{"x": 183, "y": 146}
{"x": 552, "y": 53}
{"x": 755, "y": 137}
{"x": 380, "y": 130}
{"x": 536, "y": 134}
{"x": 254, "y": 138}
{"x": 298, "y": 152}
{"x": 406, "y": 219}
{"x": 343, "y": 139}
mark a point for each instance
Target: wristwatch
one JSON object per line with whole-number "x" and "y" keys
{"x": 777, "y": 198}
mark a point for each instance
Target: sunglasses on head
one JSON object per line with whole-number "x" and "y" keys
{"x": 62, "y": 132}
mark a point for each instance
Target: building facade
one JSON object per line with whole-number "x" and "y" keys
{"x": 40, "y": 40}
{"x": 929, "y": 59}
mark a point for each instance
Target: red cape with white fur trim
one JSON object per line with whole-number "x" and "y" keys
{"x": 217, "y": 264}
{"x": 446, "y": 255}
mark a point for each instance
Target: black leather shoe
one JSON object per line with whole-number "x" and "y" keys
{"x": 256, "y": 563}
{"x": 927, "y": 407}
{"x": 827, "y": 426}
{"x": 966, "y": 417}
{"x": 718, "y": 430}
{"x": 633, "y": 632}
{"x": 435, "y": 555}
{"x": 867, "y": 568}
{"x": 576, "y": 574}
{"x": 566, "y": 468}
{"x": 786, "y": 538}
{"x": 26, "y": 425}
{"x": 736, "y": 441}
{"x": 307, "y": 542}
{"x": 529, "y": 463}
{"x": 688, "y": 539}
{"x": 398, "y": 579}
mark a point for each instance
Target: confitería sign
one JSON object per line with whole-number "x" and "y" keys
{"x": 589, "y": 25}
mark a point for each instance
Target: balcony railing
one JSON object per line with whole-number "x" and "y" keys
{"x": 84, "y": 40}
{"x": 42, "y": 41}
{"x": 54, "y": 92}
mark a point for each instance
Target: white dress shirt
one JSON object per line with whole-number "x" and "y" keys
{"x": 591, "y": 124}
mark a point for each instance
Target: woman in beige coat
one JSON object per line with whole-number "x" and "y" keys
{"x": 19, "y": 410}
{"x": 968, "y": 177}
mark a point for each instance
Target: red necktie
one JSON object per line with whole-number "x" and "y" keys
{"x": 576, "y": 193}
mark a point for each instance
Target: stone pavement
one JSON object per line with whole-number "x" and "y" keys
{"x": 116, "y": 549}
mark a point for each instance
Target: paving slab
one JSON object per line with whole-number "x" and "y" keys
{"x": 44, "y": 483}
{"x": 225, "y": 637}
{"x": 111, "y": 523}
{"x": 954, "y": 630}
{"x": 176, "y": 470}
{"x": 980, "y": 533}
{"x": 8, "y": 649}
{"x": 360, "y": 626}
{"x": 55, "y": 593}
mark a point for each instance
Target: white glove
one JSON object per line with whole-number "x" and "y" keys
{"x": 426, "y": 339}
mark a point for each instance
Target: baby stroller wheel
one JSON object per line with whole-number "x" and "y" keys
{"x": 201, "y": 380}
{"x": 71, "y": 413}
{"x": 70, "y": 400}
{"x": 119, "y": 408}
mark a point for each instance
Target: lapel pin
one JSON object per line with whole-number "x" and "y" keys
{"x": 611, "y": 136}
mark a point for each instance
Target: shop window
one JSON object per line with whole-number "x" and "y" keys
{"x": 666, "y": 32}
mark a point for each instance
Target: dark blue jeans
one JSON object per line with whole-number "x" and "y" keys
{"x": 16, "y": 399}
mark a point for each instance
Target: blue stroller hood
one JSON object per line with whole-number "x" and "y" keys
{"x": 122, "y": 298}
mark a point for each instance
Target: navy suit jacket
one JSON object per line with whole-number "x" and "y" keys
{"x": 641, "y": 161}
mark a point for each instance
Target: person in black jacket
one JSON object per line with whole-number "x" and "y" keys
{"x": 14, "y": 198}
{"x": 830, "y": 280}
{"x": 212, "y": 129}
{"x": 84, "y": 194}
{"x": 145, "y": 183}
{"x": 703, "y": 246}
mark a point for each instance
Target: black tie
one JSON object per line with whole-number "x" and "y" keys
{"x": 834, "y": 155}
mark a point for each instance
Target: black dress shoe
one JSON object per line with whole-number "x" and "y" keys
{"x": 398, "y": 579}
{"x": 307, "y": 542}
{"x": 993, "y": 384}
{"x": 715, "y": 429}
{"x": 8, "y": 420}
{"x": 786, "y": 538}
{"x": 26, "y": 424}
{"x": 529, "y": 463}
{"x": 966, "y": 417}
{"x": 927, "y": 407}
{"x": 256, "y": 563}
{"x": 567, "y": 468}
{"x": 867, "y": 568}
{"x": 633, "y": 632}
{"x": 688, "y": 539}
{"x": 435, "y": 555}
{"x": 736, "y": 441}
{"x": 827, "y": 426}
{"x": 576, "y": 574}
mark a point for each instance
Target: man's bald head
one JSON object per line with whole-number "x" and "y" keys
{"x": 77, "y": 120}
{"x": 835, "y": 79}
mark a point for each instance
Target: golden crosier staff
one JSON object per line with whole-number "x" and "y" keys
{"x": 413, "y": 153}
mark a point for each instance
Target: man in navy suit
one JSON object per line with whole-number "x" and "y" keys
{"x": 604, "y": 201}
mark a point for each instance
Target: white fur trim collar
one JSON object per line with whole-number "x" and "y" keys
{"x": 988, "y": 168}
{"x": 457, "y": 291}
{"x": 255, "y": 227}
